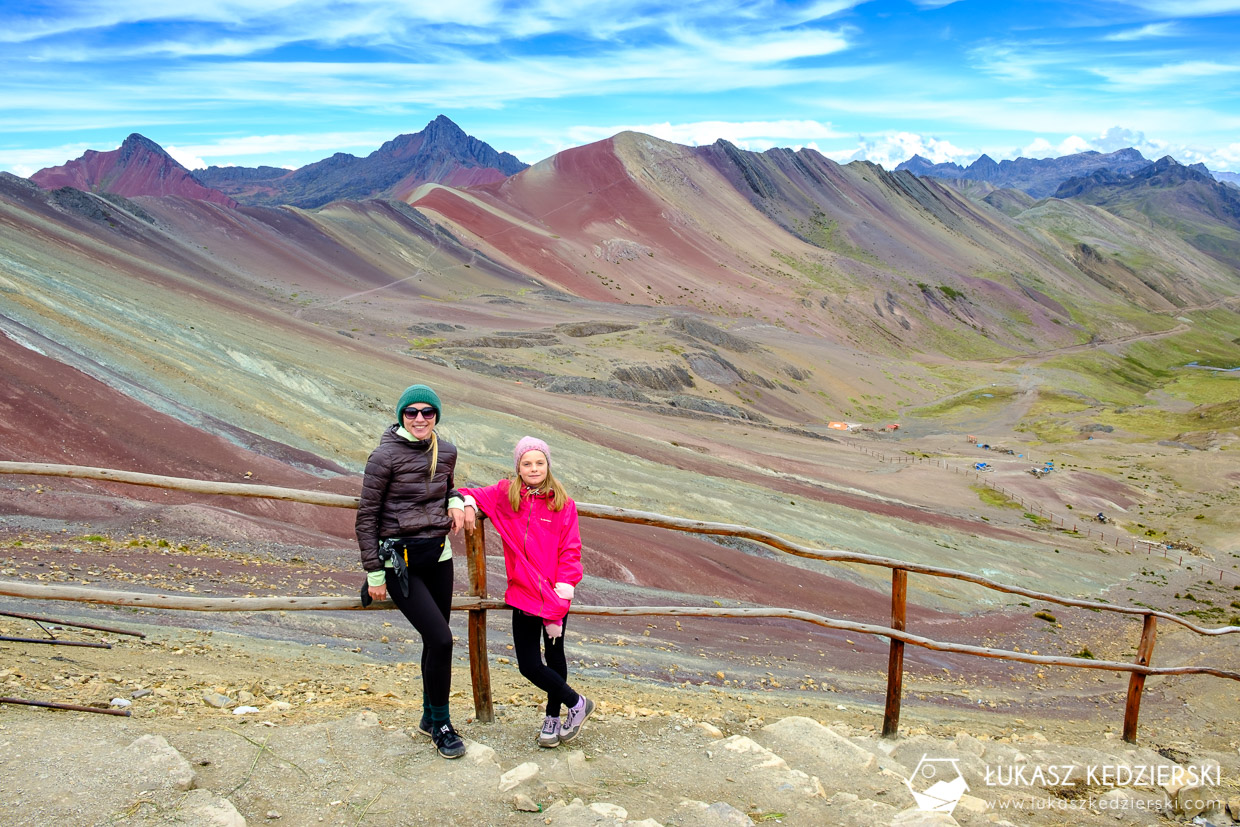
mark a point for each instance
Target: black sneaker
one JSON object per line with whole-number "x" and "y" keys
{"x": 425, "y": 726}
{"x": 448, "y": 742}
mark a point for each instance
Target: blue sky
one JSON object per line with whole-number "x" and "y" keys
{"x": 289, "y": 82}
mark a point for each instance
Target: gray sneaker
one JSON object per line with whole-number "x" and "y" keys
{"x": 575, "y": 719}
{"x": 549, "y": 735}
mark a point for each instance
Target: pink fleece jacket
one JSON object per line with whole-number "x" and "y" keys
{"x": 541, "y": 548}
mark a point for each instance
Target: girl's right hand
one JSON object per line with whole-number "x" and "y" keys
{"x": 378, "y": 592}
{"x": 471, "y": 518}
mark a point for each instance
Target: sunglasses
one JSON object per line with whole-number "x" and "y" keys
{"x": 426, "y": 413}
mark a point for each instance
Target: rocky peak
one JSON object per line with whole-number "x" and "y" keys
{"x": 983, "y": 168}
{"x": 138, "y": 167}
{"x": 442, "y": 153}
{"x": 138, "y": 145}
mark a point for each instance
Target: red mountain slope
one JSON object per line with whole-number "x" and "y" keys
{"x": 138, "y": 167}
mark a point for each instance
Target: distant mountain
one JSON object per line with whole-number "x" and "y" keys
{"x": 139, "y": 167}
{"x": 441, "y": 153}
{"x": 1037, "y": 177}
{"x": 1227, "y": 178}
{"x": 1184, "y": 199}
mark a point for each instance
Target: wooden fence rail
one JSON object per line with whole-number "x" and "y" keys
{"x": 477, "y": 603}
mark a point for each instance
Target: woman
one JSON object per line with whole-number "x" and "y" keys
{"x": 402, "y": 526}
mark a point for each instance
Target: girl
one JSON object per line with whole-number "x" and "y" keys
{"x": 537, "y": 522}
{"x": 408, "y": 505}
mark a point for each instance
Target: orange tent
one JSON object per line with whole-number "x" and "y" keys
{"x": 839, "y": 426}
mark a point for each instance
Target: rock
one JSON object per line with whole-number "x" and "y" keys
{"x": 968, "y": 744}
{"x": 654, "y": 377}
{"x": 767, "y": 781}
{"x": 517, "y": 776}
{"x": 923, "y": 818}
{"x": 217, "y": 700}
{"x": 577, "y": 814}
{"x": 688, "y": 402}
{"x": 817, "y": 748}
{"x": 1134, "y": 806}
{"x": 154, "y": 764}
{"x": 610, "y": 811}
{"x": 121, "y": 703}
{"x": 715, "y": 336}
{"x": 479, "y": 753}
{"x": 701, "y": 814}
{"x": 972, "y": 804}
{"x": 525, "y": 804}
{"x": 203, "y": 808}
{"x": 585, "y": 386}
{"x": 580, "y": 330}
{"x": 366, "y": 720}
{"x": 849, "y": 810}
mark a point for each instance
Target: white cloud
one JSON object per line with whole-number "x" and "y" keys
{"x": 1165, "y": 75}
{"x": 891, "y": 149}
{"x": 1145, "y": 32}
{"x": 26, "y": 162}
{"x": 185, "y": 159}
{"x": 1187, "y": 8}
{"x": 245, "y": 146}
{"x": 755, "y": 135}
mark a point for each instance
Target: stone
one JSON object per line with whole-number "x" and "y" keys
{"x": 610, "y": 811}
{"x": 972, "y": 804}
{"x": 517, "y": 776}
{"x": 525, "y": 804}
{"x": 217, "y": 700}
{"x": 923, "y": 818}
{"x": 700, "y": 814}
{"x": 480, "y": 753}
{"x": 203, "y": 808}
{"x": 155, "y": 764}
{"x": 812, "y": 742}
{"x": 366, "y": 720}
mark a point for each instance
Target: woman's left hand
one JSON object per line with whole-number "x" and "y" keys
{"x": 458, "y": 519}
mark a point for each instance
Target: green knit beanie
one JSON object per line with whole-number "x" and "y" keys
{"x": 418, "y": 393}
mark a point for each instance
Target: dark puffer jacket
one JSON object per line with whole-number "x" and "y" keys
{"x": 399, "y": 497}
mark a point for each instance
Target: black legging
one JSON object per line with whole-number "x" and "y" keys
{"x": 427, "y": 607}
{"x": 552, "y": 676}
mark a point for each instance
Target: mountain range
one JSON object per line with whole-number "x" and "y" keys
{"x": 681, "y": 324}
{"x": 441, "y": 152}
{"x": 681, "y": 316}
{"x": 1039, "y": 177}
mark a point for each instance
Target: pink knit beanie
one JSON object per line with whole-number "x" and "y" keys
{"x": 530, "y": 443}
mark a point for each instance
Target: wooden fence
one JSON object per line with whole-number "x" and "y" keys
{"x": 477, "y": 603}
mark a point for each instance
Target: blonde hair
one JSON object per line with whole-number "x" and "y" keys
{"x": 550, "y": 485}
{"x": 430, "y": 475}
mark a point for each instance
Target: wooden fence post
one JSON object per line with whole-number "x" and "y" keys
{"x": 1136, "y": 683}
{"x": 479, "y": 668}
{"x": 895, "y": 656}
